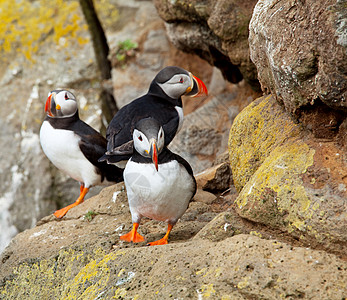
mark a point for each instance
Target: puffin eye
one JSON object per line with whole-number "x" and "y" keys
{"x": 181, "y": 80}
{"x": 66, "y": 96}
{"x": 140, "y": 138}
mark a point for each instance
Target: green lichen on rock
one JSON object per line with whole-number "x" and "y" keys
{"x": 270, "y": 158}
{"x": 254, "y": 134}
{"x": 196, "y": 269}
{"x": 275, "y": 194}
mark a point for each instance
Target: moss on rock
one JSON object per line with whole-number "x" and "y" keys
{"x": 275, "y": 164}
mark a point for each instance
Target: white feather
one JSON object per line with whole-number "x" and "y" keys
{"x": 62, "y": 149}
{"x": 180, "y": 117}
{"x": 161, "y": 195}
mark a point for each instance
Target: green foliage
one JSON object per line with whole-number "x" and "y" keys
{"x": 125, "y": 50}
{"x": 90, "y": 215}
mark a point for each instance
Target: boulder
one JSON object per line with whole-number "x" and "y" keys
{"x": 300, "y": 51}
{"x": 215, "y": 179}
{"x": 287, "y": 179}
{"x": 215, "y": 30}
{"x": 208, "y": 257}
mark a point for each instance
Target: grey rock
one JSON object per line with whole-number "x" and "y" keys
{"x": 300, "y": 52}
{"x": 215, "y": 30}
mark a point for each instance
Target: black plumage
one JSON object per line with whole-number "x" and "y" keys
{"x": 156, "y": 104}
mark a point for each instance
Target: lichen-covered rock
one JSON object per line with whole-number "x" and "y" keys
{"x": 288, "y": 180}
{"x": 215, "y": 30}
{"x": 240, "y": 267}
{"x": 212, "y": 254}
{"x": 300, "y": 50}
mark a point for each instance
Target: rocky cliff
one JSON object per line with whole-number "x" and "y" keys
{"x": 269, "y": 219}
{"x": 212, "y": 254}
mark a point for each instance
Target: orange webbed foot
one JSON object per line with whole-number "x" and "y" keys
{"x": 162, "y": 241}
{"x": 133, "y": 235}
{"x": 62, "y": 212}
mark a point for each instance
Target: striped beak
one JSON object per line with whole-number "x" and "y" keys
{"x": 49, "y": 105}
{"x": 153, "y": 152}
{"x": 198, "y": 88}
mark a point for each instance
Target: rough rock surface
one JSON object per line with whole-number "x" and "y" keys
{"x": 217, "y": 178}
{"x": 287, "y": 179}
{"x": 215, "y": 30}
{"x": 300, "y": 50}
{"x": 204, "y": 133}
{"x": 210, "y": 256}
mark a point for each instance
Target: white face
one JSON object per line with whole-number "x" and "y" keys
{"x": 65, "y": 104}
{"x": 178, "y": 85}
{"x": 143, "y": 145}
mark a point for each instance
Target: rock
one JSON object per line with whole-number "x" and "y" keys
{"x": 224, "y": 225}
{"x": 218, "y": 83}
{"x": 203, "y": 196}
{"x": 97, "y": 222}
{"x": 287, "y": 179}
{"x": 216, "y": 178}
{"x": 216, "y": 30}
{"x": 240, "y": 267}
{"x": 209, "y": 256}
{"x": 300, "y": 50}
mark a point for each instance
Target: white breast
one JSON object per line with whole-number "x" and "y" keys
{"x": 161, "y": 195}
{"x": 62, "y": 149}
{"x": 180, "y": 117}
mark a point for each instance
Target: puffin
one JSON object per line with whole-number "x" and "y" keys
{"x": 74, "y": 147}
{"x": 163, "y": 102}
{"x": 159, "y": 183}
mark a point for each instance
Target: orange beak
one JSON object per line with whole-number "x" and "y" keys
{"x": 153, "y": 152}
{"x": 201, "y": 87}
{"x": 197, "y": 89}
{"x": 48, "y": 106}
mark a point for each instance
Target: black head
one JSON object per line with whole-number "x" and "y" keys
{"x": 176, "y": 82}
{"x": 149, "y": 139}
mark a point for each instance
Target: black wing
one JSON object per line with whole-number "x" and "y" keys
{"x": 120, "y": 129}
{"x": 93, "y": 146}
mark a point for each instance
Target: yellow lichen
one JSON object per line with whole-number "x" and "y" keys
{"x": 254, "y": 134}
{"x": 255, "y": 233}
{"x": 207, "y": 290}
{"x": 243, "y": 283}
{"x": 268, "y": 158}
{"x": 96, "y": 273}
{"x": 120, "y": 292}
{"x": 203, "y": 270}
{"x": 218, "y": 272}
